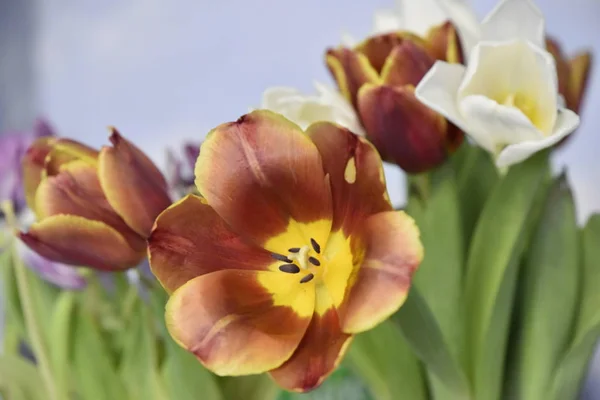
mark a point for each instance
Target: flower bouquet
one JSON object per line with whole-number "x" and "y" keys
{"x": 269, "y": 263}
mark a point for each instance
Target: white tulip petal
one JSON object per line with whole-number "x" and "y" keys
{"x": 385, "y": 21}
{"x": 515, "y": 70}
{"x": 438, "y": 90}
{"x": 343, "y": 112}
{"x": 493, "y": 125}
{"x": 566, "y": 123}
{"x": 418, "y": 16}
{"x": 514, "y": 19}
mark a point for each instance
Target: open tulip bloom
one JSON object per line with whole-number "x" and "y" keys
{"x": 292, "y": 249}
{"x": 507, "y": 97}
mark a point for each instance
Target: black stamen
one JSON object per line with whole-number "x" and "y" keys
{"x": 307, "y": 278}
{"x": 279, "y": 257}
{"x": 314, "y": 261}
{"x": 294, "y": 249}
{"x": 289, "y": 268}
{"x": 315, "y": 245}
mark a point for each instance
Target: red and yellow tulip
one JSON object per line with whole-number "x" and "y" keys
{"x": 293, "y": 248}
{"x": 94, "y": 208}
{"x": 379, "y": 77}
{"x": 573, "y": 74}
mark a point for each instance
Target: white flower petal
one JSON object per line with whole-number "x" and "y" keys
{"x": 492, "y": 125}
{"x": 328, "y": 105}
{"x": 385, "y": 21}
{"x": 462, "y": 15}
{"x": 439, "y": 88}
{"x": 517, "y": 70}
{"x": 514, "y": 19}
{"x": 343, "y": 112}
{"x": 418, "y": 16}
{"x": 566, "y": 123}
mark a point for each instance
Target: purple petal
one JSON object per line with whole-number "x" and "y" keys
{"x": 64, "y": 276}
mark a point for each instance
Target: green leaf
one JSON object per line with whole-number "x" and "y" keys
{"x": 10, "y": 293}
{"x": 18, "y": 375}
{"x": 573, "y": 366}
{"x": 59, "y": 342}
{"x": 93, "y": 366}
{"x": 251, "y": 387}
{"x": 440, "y": 275}
{"x": 139, "y": 362}
{"x": 476, "y": 177}
{"x": 421, "y": 330}
{"x": 495, "y": 253}
{"x": 550, "y": 289}
{"x": 386, "y": 364}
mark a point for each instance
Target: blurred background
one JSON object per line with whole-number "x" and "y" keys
{"x": 167, "y": 71}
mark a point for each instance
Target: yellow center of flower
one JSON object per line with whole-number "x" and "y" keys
{"x": 310, "y": 276}
{"x": 528, "y": 106}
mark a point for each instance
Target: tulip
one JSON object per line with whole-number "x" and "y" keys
{"x": 573, "y": 74}
{"x": 293, "y": 249}
{"x": 327, "y": 105}
{"x": 506, "y": 99}
{"x": 93, "y": 208}
{"x": 378, "y": 78}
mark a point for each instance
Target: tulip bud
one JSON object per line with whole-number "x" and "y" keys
{"x": 572, "y": 73}
{"x": 379, "y": 76}
{"x": 94, "y": 208}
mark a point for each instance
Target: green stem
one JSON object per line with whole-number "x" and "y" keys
{"x": 31, "y": 322}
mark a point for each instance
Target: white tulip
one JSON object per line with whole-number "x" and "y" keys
{"x": 327, "y": 105}
{"x": 506, "y": 98}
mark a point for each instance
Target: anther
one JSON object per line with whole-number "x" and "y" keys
{"x": 314, "y": 261}
{"x": 315, "y": 245}
{"x": 294, "y": 249}
{"x": 307, "y": 278}
{"x": 289, "y": 268}
{"x": 280, "y": 257}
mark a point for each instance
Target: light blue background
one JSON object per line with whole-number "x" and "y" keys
{"x": 167, "y": 70}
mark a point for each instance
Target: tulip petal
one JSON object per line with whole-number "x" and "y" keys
{"x": 562, "y": 66}
{"x": 350, "y": 69}
{"x": 518, "y": 74}
{"x": 566, "y": 123}
{"x": 228, "y": 320}
{"x": 514, "y": 19}
{"x": 133, "y": 185}
{"x": 405, "y": 131}
{"x": 406, "y": 64}
{"x": 580, "y": 66}
{"x": 265, "y": 178}
{"x": 445, "y": 44}
{"x": 438, "y": 90}
{"x": 189, "y": 239}
{"x": 356, "y": 174}
{"x": 74, "y": 240}
{"x": 76, "y": 190}
{"x": 393, "y": 251}
{"x": 493, "y": 122}
{"x": 377, "y": 48}
{"x": 33, "y": 165}
{"x": 317, "y": 356}
{"x": 64, "y": 151}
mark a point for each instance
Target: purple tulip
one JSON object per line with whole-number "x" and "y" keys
{"x": 180, "y": 169}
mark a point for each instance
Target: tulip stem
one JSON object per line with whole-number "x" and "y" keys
{"x": 25, "y": 295}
